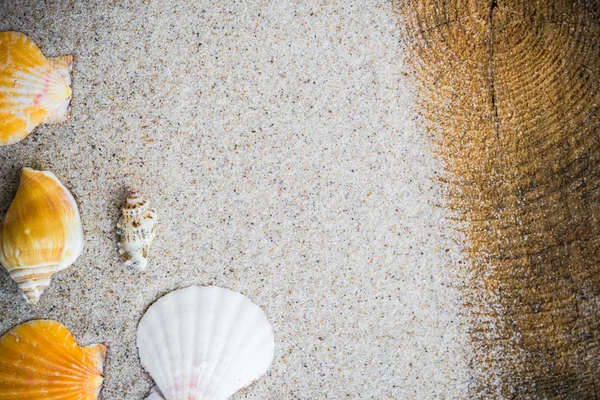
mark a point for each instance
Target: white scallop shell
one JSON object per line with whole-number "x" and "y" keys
{"x": 155, "y": 395}
{"x": 136, "y": 230}
{"x": 204, "y": 343}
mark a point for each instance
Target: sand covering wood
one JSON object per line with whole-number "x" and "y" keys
{"x": 510, "y": 92}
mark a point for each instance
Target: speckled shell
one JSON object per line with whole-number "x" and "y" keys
{"x": 41, "y": 360}
{"x": 33, "y": 89}
{"x": 136, "y": 230}
{"x": 41, "y": 233}
{"x": 204, "y": 343}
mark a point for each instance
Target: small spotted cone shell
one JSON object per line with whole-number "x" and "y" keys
{"x": 41, "y": 233}
{"x": 136, "y": 230}
{"x": 41, "y": 360}
{"x": 33, "y": 88}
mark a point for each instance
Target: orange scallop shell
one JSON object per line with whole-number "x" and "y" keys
{"x": 41, "y": 360}
{"x": 33, "y": 89}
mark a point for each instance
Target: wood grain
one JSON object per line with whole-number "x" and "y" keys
{"x": 510, "y": 92}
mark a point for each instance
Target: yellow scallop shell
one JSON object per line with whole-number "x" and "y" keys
{"x": 33, "y": 89}
{"x": 41, "y": 233}
{"x": 41, "y": 360}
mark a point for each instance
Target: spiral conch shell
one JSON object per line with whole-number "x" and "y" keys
{"x": 33, "y": 89}
{"x": 136, "y": 230}
{"x": 41, "y": 360}
{"x": 41, "y": 233}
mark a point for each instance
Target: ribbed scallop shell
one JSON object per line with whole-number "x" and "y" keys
{"x": 64, "y": 66}
{"x": 204, "y": 343}
{"x": 33, "y": 89}
{"x": 41, "y": 360}
{"x": 41, "y": 233}
{"x": 136, "y": 230}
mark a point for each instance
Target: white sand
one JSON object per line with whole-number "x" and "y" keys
{"x": 277, "y": 144}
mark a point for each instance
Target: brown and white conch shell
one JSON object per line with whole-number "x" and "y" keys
{"x": 33, "y": 89}
{"x": 136, "y": 230}
{"x": 41, "y": 233}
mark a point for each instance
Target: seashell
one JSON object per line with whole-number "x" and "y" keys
{"x": 41, "y": 233}
{"x": 64, "y": 66}
{"x": 41, "y": 359}
{"x": 204, "y": 343}
{"x": 33, "y": 89}
{"x": 136, "y": 230}
{"x": 155, "y": 394}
